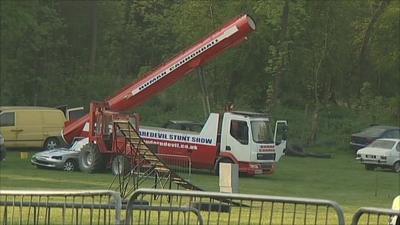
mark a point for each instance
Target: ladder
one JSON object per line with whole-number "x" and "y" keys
{"x": 144, "y": 164}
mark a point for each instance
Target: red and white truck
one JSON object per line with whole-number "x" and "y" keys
{"x": 243, "y": 138}
{"x": 237, "y": 137}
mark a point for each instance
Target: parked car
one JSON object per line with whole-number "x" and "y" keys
{"x": 60, "y": 158}
{"x": 184, "y": 125}
{"x": 384, "y": 153}
{"x": 367, "y": 136}
{"x": 2, "y": 148}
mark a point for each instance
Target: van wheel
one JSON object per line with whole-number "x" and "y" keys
{"x": 223, "y": 160}
{"x": 396, "y": 167}
{"x": 51, "y": 143}
{"x": 90, "y": 159}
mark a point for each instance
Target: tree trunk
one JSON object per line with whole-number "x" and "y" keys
{"x": 315, "y": 119}
{"x": 314, "y": 125}
{"x": 92, "y": 62}
{"x": 282, "y": 48}
{"x": 362, "y": 57}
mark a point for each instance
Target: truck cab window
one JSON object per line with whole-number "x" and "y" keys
{"x": 261, "y": 132}
{"x": 7, "y": 119}
{"x": 240, "y": 131}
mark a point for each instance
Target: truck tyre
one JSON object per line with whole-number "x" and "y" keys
{"x": 369, "y": 167}
{"x": 51, "y": 143}
{"x": 396, "y": 167}
{"x": 90, "y": 159}
{"x": 223, "y": 160}
{"x": 120, "y": 165}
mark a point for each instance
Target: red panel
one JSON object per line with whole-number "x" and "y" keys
{"x": 169, "y": 73}
{"x": 202, "y": 156}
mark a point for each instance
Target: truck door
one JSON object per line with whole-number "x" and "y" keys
{"x": 8, "y": 128}
{"x": 236, "y": 139}
{"x": 280, "y": 137}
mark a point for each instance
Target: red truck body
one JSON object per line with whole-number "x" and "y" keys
{"x": 217, "y": 142}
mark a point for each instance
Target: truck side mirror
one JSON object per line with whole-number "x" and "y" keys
{"x": 285, "y": 133}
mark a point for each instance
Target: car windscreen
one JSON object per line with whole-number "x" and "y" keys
{"x": 385, "y": 144}
{"x": 373, "y": 131}
{"x": 261, "y": 132}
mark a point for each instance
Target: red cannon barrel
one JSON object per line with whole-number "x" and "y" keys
{"x": 169, "y": 73}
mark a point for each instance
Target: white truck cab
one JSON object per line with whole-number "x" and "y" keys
{"x": 248, "y": 138}
{"x": 243, "y": 138}
{"x": 384, "y": 153}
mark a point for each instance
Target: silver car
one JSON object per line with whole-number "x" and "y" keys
{"x": 60, "y": 158}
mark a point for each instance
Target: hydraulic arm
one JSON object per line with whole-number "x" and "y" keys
{"x": 169, "y": 73}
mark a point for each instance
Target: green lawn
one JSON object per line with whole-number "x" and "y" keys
{"x": 341, "y": 179}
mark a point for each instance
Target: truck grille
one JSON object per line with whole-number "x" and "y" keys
{"x": 266, "y": 156}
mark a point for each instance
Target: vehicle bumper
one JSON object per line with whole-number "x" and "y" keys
{"x": 253, "y": 169}
{"x": 378, "y": 162}
{"x": 47, "y": 163}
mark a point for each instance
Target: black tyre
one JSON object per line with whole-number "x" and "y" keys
{"x": 396, "y": 167}
{"x": 223, "y": 160}
{"x": 70, "y": 165}
{"x": 90, "y": 159}
{"x": 51, "y": 143}
{"x": 369, "y": 167}
{"x": 120, "y": 165}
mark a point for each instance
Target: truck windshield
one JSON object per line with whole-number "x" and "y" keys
{"x": 261, "y": 132}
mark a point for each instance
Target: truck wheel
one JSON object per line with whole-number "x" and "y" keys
{"x": 223, "y": 160}
{"x": 369, "y": 167}
{"x": 51, "y": 143}
{"x": 396, "y": 167}
{"x": 90, "y": 159}
{"x": 120, "y": 165}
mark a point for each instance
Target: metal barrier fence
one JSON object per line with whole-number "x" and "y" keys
{"x": 376, "y": 216}
{"x": 180, "y": 164}
{"x": 60, "y": 207}
{"x": 221, "y": 208}
{"x": 163, "y": 215}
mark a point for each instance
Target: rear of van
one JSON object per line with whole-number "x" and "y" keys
{"x": 31, "y": 126}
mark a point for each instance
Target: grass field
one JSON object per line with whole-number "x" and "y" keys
{"x": 341, "y": 179}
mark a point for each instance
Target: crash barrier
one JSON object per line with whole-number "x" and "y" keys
{"x": 144, "y": 215}
{"x": 60, "y": 207}
{"x": 222, "y": 208}
{"x": 180, "y": 164}
{"x": 376, "y": 216}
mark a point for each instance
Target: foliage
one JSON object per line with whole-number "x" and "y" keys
{"x": 302, "y": 58}
{"x": 341, "y": 178}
